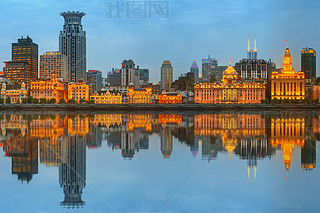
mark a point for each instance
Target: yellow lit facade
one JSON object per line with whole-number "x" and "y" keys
{"x": 106, "y": 98}
{"x": 16, "y": 95}
{"x": 170, "y": 98}
{"x": 140, "y": 122}
{"x": 49, "y": 89}
{"x": 78, "y": 91}
{"x": 139, "y": 96}
{"x": 230, "y": 91}
{"x": 287, "y": 84}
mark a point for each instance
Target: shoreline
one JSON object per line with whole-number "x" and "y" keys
{"x": 156, "y": 107}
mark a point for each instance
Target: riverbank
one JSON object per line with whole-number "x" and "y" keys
{"x": 155, "y": 107}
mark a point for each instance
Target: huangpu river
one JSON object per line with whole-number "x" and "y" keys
{"x": 228, "y": 161}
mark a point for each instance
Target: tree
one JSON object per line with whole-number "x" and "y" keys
{"x": 62, "y": 101}
{"x": 8, "y": 100}
{"x": 72, "y": 101}
{"x": 53, "y": 101}
{"x": 91, "y": 102}
{"x": 82, "y": 101}
{"x": 29, "y": 99}
{"x": 43, "y": 101}
{"x": 35, "y": 100}
{"x": 1, "y": 100}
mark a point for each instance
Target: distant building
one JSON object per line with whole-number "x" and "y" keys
{"x": 48, "y": 89}
{"x": 53, "y": 63}
{"x": 106, "y": 98}
{"x": 207, "y": 66}
{"x": 129, "y": 74}
{"x": 119, "y": 89}
{"x": 170, "y": 98}
{"x": 15, "y": 95}
{"x": 308, "y": 63}
{"x": 166, "y": 75}
{"x": 94, "y": 80}
{"x": 144, "y": 76}
{"x": 114, "y": 77}
{"x": 78, "y": 91}
{"x": 139, "y": 96}
{"x": 155, "y": 88}
{"x": 17, "y": 73}
{"x": 72, "y": 43}
{"x": 195, "y": 70}
{"x": 216, "y": 73}
{"x": 26, "y": 51}
{"x": 184, "y": 82}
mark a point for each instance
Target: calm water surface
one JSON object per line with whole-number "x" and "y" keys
{"x": 160, "y": 162}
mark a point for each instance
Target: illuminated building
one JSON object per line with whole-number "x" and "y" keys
{"x": 17, "y": 73}
{"x": 49, "y": 89}
{"x": 308, "y": 63}
{"x": 195, "y": 70}
{"x": 78, "y": 91}
{"x": 139, "y": 96}
{"x": 26, "y": 51}
{"x": 94, "y": 79}
{"x": 170, "y": 98}
{"x": 72, "y": 43}
{"x": 166, "y": 75}
{"x": 129, "y": 74}
{"x": 53, "y": 63}
{"x": 16, "y": 95}
{"x": 207, "y": 66}
{"x": 287, "y": 84}
{"x": 106, "y": 98}
{"x": 230, "y": 91}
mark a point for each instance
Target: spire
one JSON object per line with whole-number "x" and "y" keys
{"x": 287, "y": 44}
{"x": 248, "y": 42}
{"x": 248, "y": 174}
{"x": 230, "y": 62}
{"x": 255, "y": 43}
{"x": 255, "y": 173}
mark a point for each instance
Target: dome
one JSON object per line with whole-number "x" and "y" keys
{"x": 230, "y": 71}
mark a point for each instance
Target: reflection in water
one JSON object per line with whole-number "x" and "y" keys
{"x": 62, "y": 140}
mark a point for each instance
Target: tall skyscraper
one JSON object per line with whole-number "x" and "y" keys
{"x": 72, "y": 43}
{"x": 53, "y": 63}
{"x": 144, "y": 76}
{"x": 26, "y": 51}
{"x": 166, "y": 75}
{"x": 195, "y": 70}
{"x": 308, "y": 63}
{"x": 129, "y": 74}
{"x": 207, "y": 66}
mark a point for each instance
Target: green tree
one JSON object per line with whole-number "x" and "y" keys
{"x": 72, "y": 101}
{"x": 35, "y": 100}
{"x": 82, "y": 101}
{"x": 53, "y": 101}
{"x": 1, "y": 100}
{"x": 29, "y": 99}
{"x": 91, "y": 102}
{"x": 43, "y": 101}
{"x": 62, "y": 101}
{"x": 8, "y": 100}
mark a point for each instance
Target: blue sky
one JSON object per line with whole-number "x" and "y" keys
{"x": 193, "y": 30}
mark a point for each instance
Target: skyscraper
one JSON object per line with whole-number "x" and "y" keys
{"x": 207, "y": 65}
{"x": 308, "y": 63}
{"x": 166, "y": 75}
{"x": 144, "y": 76}
{"x": 17, "y": 72}
{"x": 72, "y": 43}
{"x": 129, "y": 74}
{"x": 26, "y": 51}
{"x": 252, "y": 54}
{"x": 195, "y": 70}
{"x": 94, "y": 79}
{"x": 53, "y": 63}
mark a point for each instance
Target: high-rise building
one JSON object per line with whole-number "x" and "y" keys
{"x": 144, "y": 76}
{"x": 252, "y": 54}
{"x": 195, "y": 70}
{"x": 129, "y": 74}
{"x": 17, "y": 73}
{"x": 53, "y": 63}
{"x": 72, "y": 43}
{"x": 26, "y": 51}
{"x": 308, "y": 63}
{"x": 207, "y": 66}
{"x": 94, "y": 79}
{"x": 166, "y": 75}
{"x": 114, "y": 77}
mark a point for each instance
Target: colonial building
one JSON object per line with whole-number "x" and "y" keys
{"x": 139, "y": 96}
{"x": 287, "y": 84}
{"x": 170, "y": 98}
{"x": 106, "y": 98}
{"x": 78, "y": 91}
{"x": 230, "y": 90}
{"x": 16, "y": 95}
{"x": 49, "y": 89}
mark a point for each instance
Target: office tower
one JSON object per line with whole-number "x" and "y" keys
{"x": 72, "y": 43}
{"x": 26, "y": 51}
{"x": 252, "y": 67}
{"x": 308, "y": 63}
{"x": 53, "y": 63}
{"x": 94, "y": 79}
{"x": 207, "y": 66}
{"x": 166, "y": 75}
{"x": 195, "y": 70}
{"x": 114, "y": 77}
{"x": 144, "y": 76}
{"x": 129, "y": 74}
{"x": 17, "y": 73}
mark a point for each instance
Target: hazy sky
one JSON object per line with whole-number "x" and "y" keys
{"x": 193, "y": 30}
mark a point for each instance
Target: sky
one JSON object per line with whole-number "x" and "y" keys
{"x": 192, "y": 31}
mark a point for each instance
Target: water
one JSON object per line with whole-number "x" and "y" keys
{"x": 160, "y": 162}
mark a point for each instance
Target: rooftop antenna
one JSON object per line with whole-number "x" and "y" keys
{"x": 255, "y": 43}
{"x": 287, "y": 44}
{"x": 248, "y": 42}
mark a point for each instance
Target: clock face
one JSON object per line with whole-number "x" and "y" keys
{"x": 287, "y": 59}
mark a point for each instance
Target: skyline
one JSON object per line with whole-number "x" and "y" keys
{"x": 226, "y": 37}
